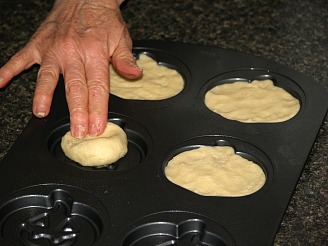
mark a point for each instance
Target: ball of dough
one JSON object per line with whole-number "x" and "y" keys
{"x": 215, "y": 171}
{"x": 104, "y": 149}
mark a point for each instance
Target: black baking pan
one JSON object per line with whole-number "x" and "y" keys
{"x": 47, "y": 199}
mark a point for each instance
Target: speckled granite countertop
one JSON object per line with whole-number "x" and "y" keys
{"x": 292, "y": 33}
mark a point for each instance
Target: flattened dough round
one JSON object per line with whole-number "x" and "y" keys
{"x": 157, "y": 83}
{"x": 104, "y": 149}
{"x": 215, "y": 171}
{"x": 258, "y": 101}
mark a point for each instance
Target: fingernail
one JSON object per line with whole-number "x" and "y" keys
{"x": 79, "y": 131}
{"x": 40, "y": 111}
{"x": 1, "y": 79}
{"x": 94, "y": 130}
{"x": 134, "y": 64}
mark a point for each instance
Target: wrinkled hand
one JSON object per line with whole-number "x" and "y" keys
{"x": 78, "y": 39}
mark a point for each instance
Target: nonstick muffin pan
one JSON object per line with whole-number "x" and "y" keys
{"x": 47, "y": 199}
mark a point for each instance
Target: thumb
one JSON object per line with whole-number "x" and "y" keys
{"x": 19, "y": 62}
{"x": 124, "y": 62}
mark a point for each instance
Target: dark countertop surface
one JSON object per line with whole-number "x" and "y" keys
{"x": 292, "y": 33}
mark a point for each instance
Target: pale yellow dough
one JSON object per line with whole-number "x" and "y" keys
{"x": 157, "y": 83}
{"x": 215, "y": 171}
{"x": 258, "y": 101}
{"x": 104, "y": 149}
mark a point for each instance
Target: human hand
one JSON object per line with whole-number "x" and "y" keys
{"x": 78, "y": 39}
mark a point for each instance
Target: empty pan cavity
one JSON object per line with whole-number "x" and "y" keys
{"x": 44, "y": 215}
{"x": 177, "y": 228}
{"x": 138, "y": 140}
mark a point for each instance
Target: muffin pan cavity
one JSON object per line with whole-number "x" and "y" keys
{"x": 137, "y": 145}
{"x": 168, "y": 60}
{"x": 190, "y": 232}
{"x": 241, "y": 148}
{"x": 177, "y": 228}
{"x": 248, "y": 75}
{"x": 132, "y": 202}
{"x": 163, "y": 59}
{"x": 57, "y": 218}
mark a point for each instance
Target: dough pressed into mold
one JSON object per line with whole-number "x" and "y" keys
{"x": 259, "y": 101}
{"x": 104, "y": 149}
{"x": 215, "y": 171}
{"x": 157, "y": 82}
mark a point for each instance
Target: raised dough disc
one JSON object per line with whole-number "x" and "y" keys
{"x": 104, "y": 149}
{"x": 215, "y": 171}
{"x": 258, "y": 101}
{"x": 157, "y": 82}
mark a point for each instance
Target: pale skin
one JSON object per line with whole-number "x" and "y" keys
{"x": 79, "y": 38}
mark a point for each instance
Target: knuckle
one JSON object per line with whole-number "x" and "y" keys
{"x": 67, "y": 44}
{"x": 47, "y": 73}
{"x": 97, "y": 89}
{"x": 17, "y": 60}
{"x": 75, "y": 87}
{"x": 78, "y": 113}
{"x": 42, "y": 92}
